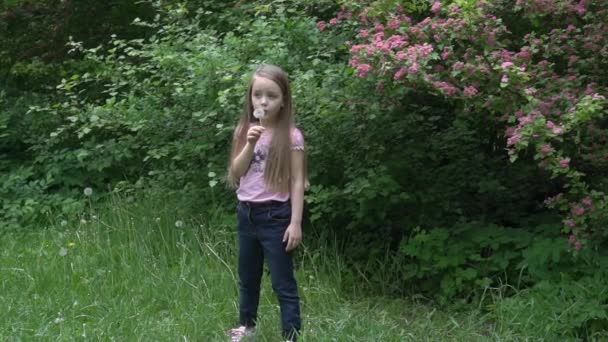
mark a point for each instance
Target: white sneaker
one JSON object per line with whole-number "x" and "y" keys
{"x": 237, "y": 334}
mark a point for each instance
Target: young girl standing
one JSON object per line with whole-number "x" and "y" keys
{"x": 267, "y": 166}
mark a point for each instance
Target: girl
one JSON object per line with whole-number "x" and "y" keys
{"x": 267, "y": 166}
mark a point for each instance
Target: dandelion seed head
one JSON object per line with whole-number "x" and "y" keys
{"x": 259, "y": 113}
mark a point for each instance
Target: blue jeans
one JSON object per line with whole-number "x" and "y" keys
{"x": 260, "y": 236}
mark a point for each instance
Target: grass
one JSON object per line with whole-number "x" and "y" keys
{"x": 128, "y": 273}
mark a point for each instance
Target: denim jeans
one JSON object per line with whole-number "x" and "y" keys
{"x": 260, "y": 236}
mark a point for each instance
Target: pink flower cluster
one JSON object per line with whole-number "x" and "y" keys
{"x": 342, "y": 15}
{"x": 554, "y": 128}
{"x": 572, "y": 241}
{"x": 436, "y": 8}
{"x": 363, "y": 70}
{"x": 546, "y": 150}
{"x": 553, "y": 200}
{"x": 553, "y": 7}
{"x": 534, "y": 84}
{"x": 575, "y": 223}
{"x": 514, "y": 133}
{"x": 446, "y": 88}
{"x": 470, "y": 91}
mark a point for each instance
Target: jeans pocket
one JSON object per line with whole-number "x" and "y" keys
{"x": 242, "y": 214}
{"x": 281, "y": 214}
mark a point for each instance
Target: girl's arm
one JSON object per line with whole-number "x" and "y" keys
{"x": 240, "y": 164}
{"x": 293, "y": 234}
{"x": 296, "y": 189}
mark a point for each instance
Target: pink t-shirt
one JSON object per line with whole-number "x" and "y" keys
{"x": 252, "y": 186}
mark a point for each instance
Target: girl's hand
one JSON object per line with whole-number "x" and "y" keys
{"x": 293, "y": 236}
{"x": 254, "y": 133}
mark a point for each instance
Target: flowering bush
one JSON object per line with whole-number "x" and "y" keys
{"x": 536, "y": 69}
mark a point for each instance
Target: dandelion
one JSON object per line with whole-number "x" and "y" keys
{"x": 71, "y": 244}
{"x": 64, "y": 223}
{"x": 258, "y": 113}
{"x": 179, "y": 224}
{"x": 88, "y": 192}
{"x": 59, "y": 319}
{"x": 63, "y": 251}
{"x": 83, "y": 221}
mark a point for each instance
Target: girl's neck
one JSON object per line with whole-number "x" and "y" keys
{"x": 267, "y": 123}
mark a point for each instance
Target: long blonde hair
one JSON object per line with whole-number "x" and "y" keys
{"x": 277, "y": 172}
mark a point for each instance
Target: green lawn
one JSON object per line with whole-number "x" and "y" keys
{"x": 128, "y": 273}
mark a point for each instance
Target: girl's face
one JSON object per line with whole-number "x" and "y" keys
{"x": 267, "y": 95}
